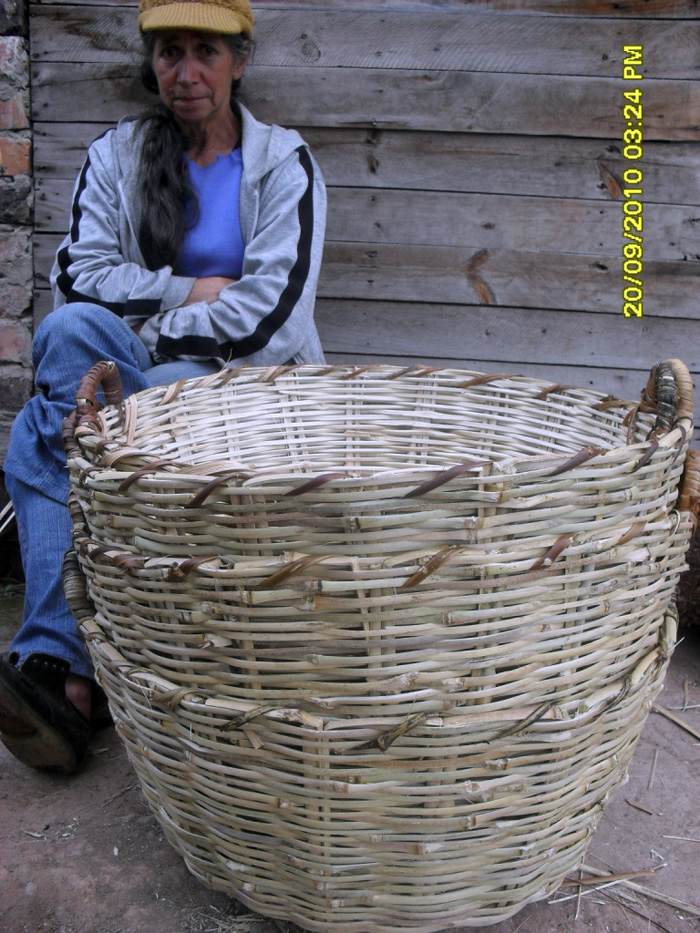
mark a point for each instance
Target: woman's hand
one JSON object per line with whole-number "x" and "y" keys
{"x": 207, "y": 289}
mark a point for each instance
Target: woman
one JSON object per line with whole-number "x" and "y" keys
{"x": 195, "y": 241}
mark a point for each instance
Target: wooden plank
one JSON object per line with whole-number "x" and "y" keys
{"x": 43, "y": 304}
{"x": 507, "y": 335}
{"x": 501, "y": 278}
{"x": 51, "y": 205}
{"x": 454, "y": 101}
{"x": 487, "y": 222}
{"x": 65, "y": 93}
{"x": 662, "y": 8}
{"x": 435, "y": 41}
{"x": 497, "y": 278}
{"x": 543, "y": 166}
{"x": 471, "y": 222}
{"x": 59, "y": 148}
{"x": 470, "y": 102}
{"x": 665, "y": 9}
{"x": 84, "y": 33}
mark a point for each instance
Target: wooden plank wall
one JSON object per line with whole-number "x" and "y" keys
{"x": 473, "y": 156}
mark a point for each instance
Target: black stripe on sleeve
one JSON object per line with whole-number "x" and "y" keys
{"x": 64, "y": 280}
{"x": 139, "y": 307}
{"x": 271, "y": 323}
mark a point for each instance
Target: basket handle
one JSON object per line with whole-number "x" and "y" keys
{"x": 75, "y": 587}
{"x": 104, "y": 374}
{"x": 668, "y": 392}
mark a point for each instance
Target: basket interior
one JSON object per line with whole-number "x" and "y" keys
{"x": 305, "y": 422}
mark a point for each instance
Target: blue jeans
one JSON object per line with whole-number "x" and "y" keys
{"x": 68, "y": 342}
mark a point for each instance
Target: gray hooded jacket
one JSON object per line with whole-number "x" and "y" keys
{"x": 266, "y": 317}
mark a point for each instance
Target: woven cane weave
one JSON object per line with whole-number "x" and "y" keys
{"x": 379, "y": 642}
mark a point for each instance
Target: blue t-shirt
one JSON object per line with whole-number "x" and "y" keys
{"x": 214, "y": 246}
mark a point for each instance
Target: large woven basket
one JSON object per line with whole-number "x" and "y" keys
{"x": 379, "y": 642}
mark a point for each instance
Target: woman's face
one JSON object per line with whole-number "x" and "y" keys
{"x": 195, "y": 71}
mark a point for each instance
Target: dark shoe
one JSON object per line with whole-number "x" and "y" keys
{"x": 100, "y": 716}
{"x": 38, "y": 723}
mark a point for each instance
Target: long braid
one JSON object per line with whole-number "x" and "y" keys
{"x": 164, "y": 187}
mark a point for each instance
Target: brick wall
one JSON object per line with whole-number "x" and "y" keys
{"x": 16, "y": 190}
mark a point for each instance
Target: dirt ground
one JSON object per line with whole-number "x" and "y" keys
{"x": 84, "y": 855}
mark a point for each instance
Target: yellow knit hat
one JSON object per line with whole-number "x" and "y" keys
{"x": 228, "y": 17}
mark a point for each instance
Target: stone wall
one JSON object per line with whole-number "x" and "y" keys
{"x": 16, "y": 216}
